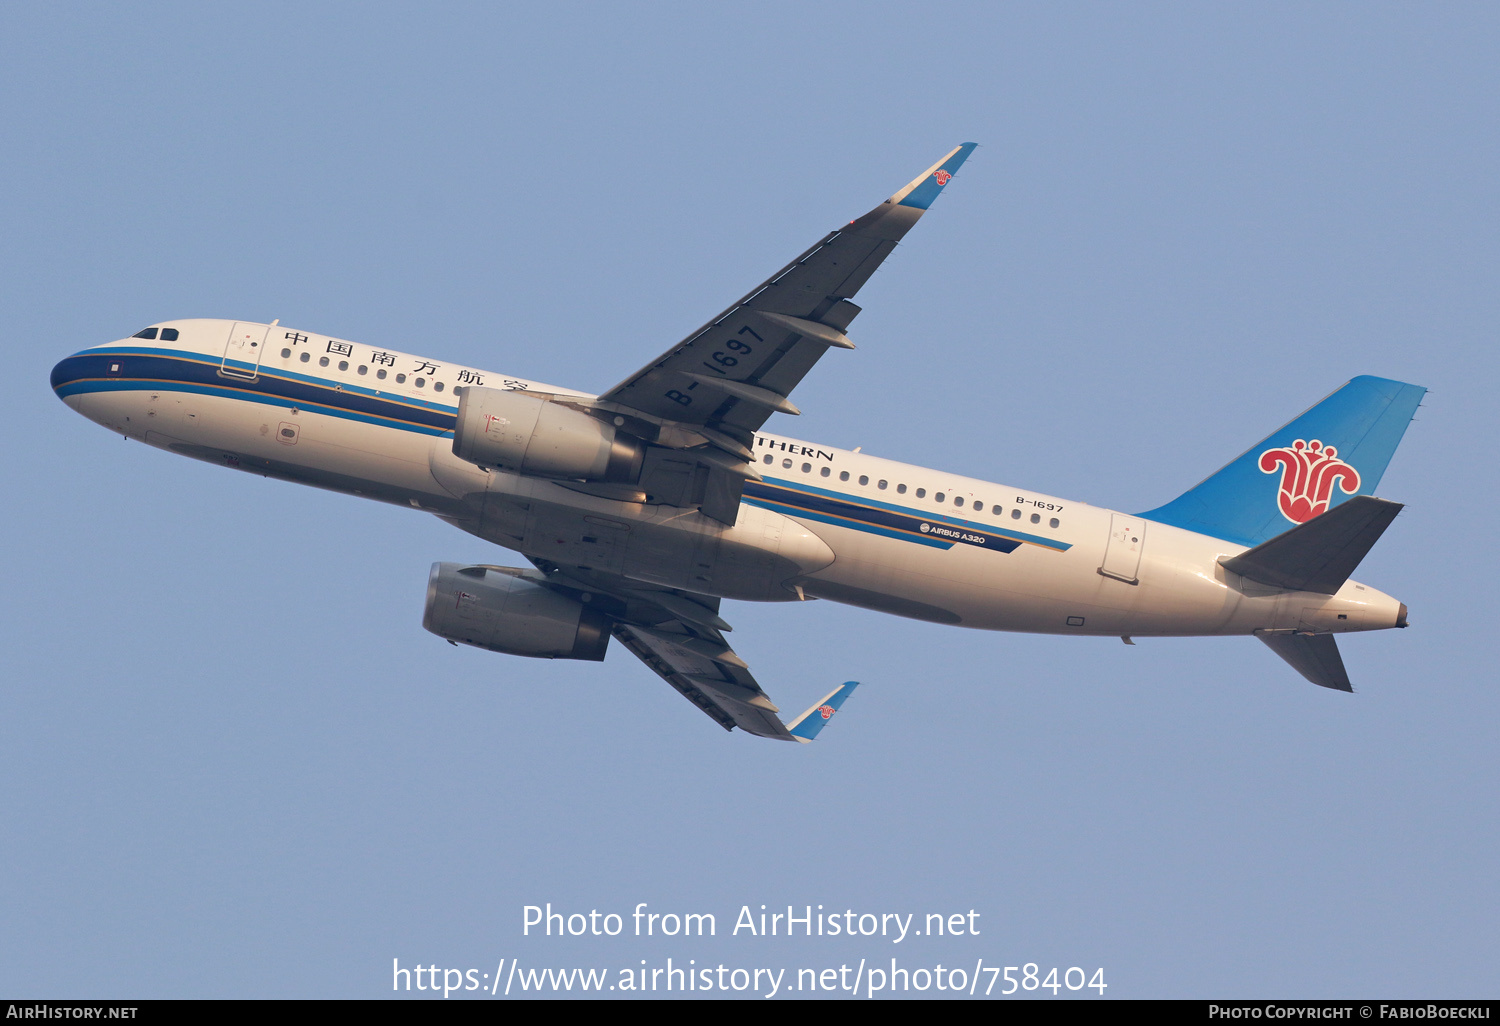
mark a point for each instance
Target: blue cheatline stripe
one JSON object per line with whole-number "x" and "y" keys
{"x": 251, "y": 375}
{"x": 799, "y": 494}
{"x": 895, "y": 525}
{"x": 146, "y": 385}
{"x": 88, "y": 372}
{"x": 143, "y": 369}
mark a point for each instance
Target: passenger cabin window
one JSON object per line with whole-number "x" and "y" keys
{"x": 1054, "y": 523}
{"x": 438, "y": 385}
{"x": 421, "y": 382}
{"x": 958, "y": 500}
{"x": 921, "y": 493}
{"x": 825, "y": 472}
{"x": 864, "y": 479}
{"x": 363, "y": 369}
{"x": 901, "y": 489}
{"x": 380, "y": 374}
{"x": 768, "y": 460}
{"x": 786, "y": 464}
{"x": 1015, "y": 514}
{"x": 400, "y": 379}
{"x": 286, "y": 354}
{"x": 938, "y": 497}
{"x": 305, "y": 357}
{"x": 807, "y": 468}
{"x": 322, "y": 361}
{"x": 343, "y": 365}
{"x": 147, "y": 333}
{"x": 1036, "y": 518}
{"x": 843, "y": 475}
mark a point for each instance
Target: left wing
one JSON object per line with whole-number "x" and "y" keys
{"x": 680, "y": 636}
{"x": 730, "y": 375}
{"x": 707, "y": 673}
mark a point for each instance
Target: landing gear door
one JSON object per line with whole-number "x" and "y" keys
{"x": 1122, "y": 555}
{"x": 243, "y": 350}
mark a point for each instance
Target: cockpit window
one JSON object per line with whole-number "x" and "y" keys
{"x": 169, "y": 334}
{"x": 148, "y": 333}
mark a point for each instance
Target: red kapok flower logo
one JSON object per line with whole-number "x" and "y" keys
{"x": 942, "y": 177}
{"x": 1308, "y": 473}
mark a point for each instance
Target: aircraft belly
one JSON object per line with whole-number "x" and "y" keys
{"x": 758, "y": 559}
{"x": 988, "y": 590}
{"x": 1033, "y": 588}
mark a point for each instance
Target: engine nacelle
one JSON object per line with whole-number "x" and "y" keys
{"x": 515, "y": 615}
{"x": 530, "y": 435}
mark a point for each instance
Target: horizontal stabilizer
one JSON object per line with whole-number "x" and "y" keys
{"x": 1320, "y": 554}
{"x": 1315, "y": 656}
{"x": 805, "y": 727}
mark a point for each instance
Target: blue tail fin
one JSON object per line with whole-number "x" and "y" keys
{"x": 1334, "y": 451}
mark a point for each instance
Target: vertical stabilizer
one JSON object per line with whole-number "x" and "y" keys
{"x": 1334, "y": 451}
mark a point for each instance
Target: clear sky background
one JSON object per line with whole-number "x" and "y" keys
{"x": 233, "y": 764}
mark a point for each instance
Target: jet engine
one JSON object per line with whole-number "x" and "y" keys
{"x": 506, "y": 610}
{"x": 531, "y": 435}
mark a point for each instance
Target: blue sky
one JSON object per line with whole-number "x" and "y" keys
{"x": 233, "y": 764}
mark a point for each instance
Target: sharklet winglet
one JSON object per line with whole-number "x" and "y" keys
{"x": 806, "y": 727}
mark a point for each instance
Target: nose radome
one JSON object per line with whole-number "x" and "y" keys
{"x": 60, "y": 373}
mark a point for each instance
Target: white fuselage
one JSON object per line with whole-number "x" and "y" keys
{"x": 823, "y": 522}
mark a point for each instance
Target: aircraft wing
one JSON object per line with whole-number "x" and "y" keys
{"x": 720, "y": 684}
{"x": 731, "y": 374}
{"x": 707, "y": 673}
{"x": 680, "y": 636}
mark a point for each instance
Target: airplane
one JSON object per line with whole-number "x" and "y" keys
{"x": 641, "y": 508}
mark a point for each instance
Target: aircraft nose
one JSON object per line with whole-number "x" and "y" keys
{"x": 74, "y": 376}
{"x": 64, "y": 374}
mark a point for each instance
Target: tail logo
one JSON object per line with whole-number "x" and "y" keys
{"x": 1308, "y": 473}
{"x": 826, "y": 711}
{"x": 942, "y": 177}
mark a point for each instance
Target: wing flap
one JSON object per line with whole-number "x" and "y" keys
{"x": 680, "y": 637}
{"x": 723, "y": 689}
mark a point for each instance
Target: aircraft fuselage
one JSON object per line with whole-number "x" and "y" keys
{"x": 822, "y": 522}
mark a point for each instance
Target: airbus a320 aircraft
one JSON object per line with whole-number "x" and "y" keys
{"x": 641, "y": 508}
